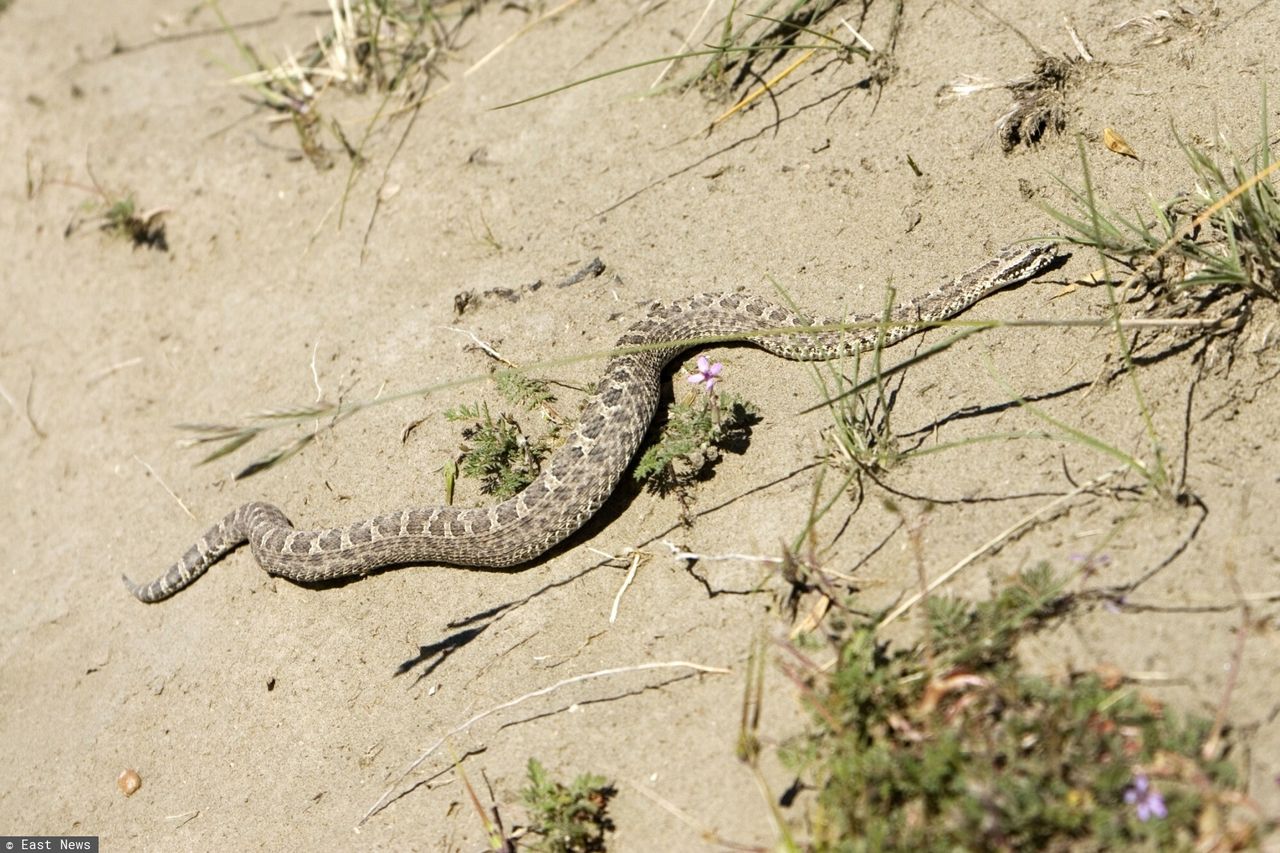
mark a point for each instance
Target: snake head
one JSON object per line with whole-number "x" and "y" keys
{"x": 1019, "y": 263}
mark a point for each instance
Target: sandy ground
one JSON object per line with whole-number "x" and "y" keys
{"x": 265, "y": 715}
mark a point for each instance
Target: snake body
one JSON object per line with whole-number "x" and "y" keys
{"x": 582, "y": 473}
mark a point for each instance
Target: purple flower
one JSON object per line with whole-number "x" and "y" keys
{"x": 1146, "y": 801}
{"x": 707, "y": 374}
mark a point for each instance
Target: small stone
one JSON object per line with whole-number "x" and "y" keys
{"x": 129, "y": 781}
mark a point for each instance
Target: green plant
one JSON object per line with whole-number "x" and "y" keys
{"x": 950, "y": 745}
{"x": 117, "y": 213}
{"x": 141, "y": 228}
{"x": 688, "y": 445}
{"x": 495, "y": 450}
{"x": 567, "y": 818}
{"x": 522, "y": 390}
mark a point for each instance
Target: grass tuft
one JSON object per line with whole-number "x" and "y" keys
{"x": 383, "y": 45}
{"x": 752, "y": 42}
{"x": 388, "y": 46}
{"x": 861, "y": 438}
{"x": 746, "y": 44}
{"x": 1218, "y": 244}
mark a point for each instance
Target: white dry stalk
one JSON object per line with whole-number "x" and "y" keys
{"x": 626, "y": 582}
{"x": 293, "y": 71}
{"x": 968, "y": 84}
{"x": 684, "y": 45}
{"x": 678, "y": 553}
{"x": 1011, "y": 530}
{"x": 315, "y": 376}
{"x": 339, "y": 55}
{"x": 857, "y": 35}
{"x": 489, "y": 350}
{"x": 678, "y": 813}
{"x": 505, "y": 43}
{"x": 104, "y": 372}
{"x": 1159, "y": 25}
{"x": 288, "y": 73}
{"x": 385, "y": 799}
{"x": 1081, "y": 50}
{"x": 164, "y": 485}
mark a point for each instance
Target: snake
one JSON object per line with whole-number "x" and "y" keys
{"x": 582, "y": 473}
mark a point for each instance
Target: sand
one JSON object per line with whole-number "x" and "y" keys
{"x": 262, "y": 714}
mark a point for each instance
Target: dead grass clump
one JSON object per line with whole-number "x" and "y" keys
{"x": 1039, "y": 104}
{"x": 388, "y": 46}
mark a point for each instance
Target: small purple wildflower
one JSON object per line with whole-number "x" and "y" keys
{"x": 1091, "y": 563}
{"x": 1146, "y": 801}
{"x": 707, "y": 374}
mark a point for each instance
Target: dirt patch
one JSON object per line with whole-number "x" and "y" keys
{"x": 261, "y": 713}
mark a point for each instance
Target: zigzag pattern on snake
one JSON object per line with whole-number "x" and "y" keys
{"x": 582, "y": 473}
